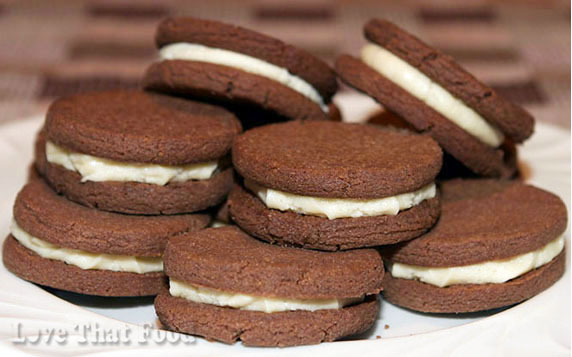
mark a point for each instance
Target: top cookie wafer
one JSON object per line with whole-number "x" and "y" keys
{"x": 137, "y": 126}
{"x": 329, "y": 159}
{"x": 229, "y": 260}
{"x": 483, "y": 220}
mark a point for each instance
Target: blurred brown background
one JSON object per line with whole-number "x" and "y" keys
{"x": 59, "y": 47}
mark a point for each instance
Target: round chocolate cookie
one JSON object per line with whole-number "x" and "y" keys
{"x": 227, "y": 261}
{"x": 215, "y": 82}
{"x": 336, "y": 160}
{"x": 138, "y": 131}
{"x": 56, "y": 274}
{"x": 290, "y": 228}
{"x": 141, "y": 127}
{"x": 41, "y": 214}
{"x": 507, "y": 117}
{"x": 255, "y": 328}
{"x": 334, "y": 165}
{"x": 472, "y": 297}
{"x": 486, "y": 222}
{"x": 221, "y": 70}
{"x": 135, "y": 197}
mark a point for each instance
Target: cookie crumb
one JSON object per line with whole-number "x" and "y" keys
{"x": 377, "y": 337}
{"x": 386, "y": 326}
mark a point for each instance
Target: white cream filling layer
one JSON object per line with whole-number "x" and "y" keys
{"x": 195, "y": 52}
{"x": 204, "y": 295}
{"x": 93, "y": 168}
{"x": 218, "y": 224}
{"x": 496, "y": 271}
{"x": 431, "y": 93}
{"x": 333, "y": 208}
{"x": 86, "y": 260}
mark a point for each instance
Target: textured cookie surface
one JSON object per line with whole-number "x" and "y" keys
{"x": 135, "y": 197}
{"x": 512, "y": 119}
{"x": 56, "y": 274}
{"x": 256, "y": 328}
{"x": 290, "y": 228}
{"x": 332, "y": 159}
{"x": 229, "y": 85}
{"x": 45, "y": 215}
{"x": 229, "y": 260}
{"x": 483, "y": 220}
{"x": 238, "y": 39}
{"x": 419, "y": 296}
{"x": 473, "y": 153}
{"x": 137, "y": 126}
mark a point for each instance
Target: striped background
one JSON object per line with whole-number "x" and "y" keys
{"x": 59, "y": 47}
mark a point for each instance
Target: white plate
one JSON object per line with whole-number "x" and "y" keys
{"x": 539, "y": 326}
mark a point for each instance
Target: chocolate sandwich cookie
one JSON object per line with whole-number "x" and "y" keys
{"x": 138, "y": 152}
{"x": 214, "y": 60}
{"x": 330, "y": 185}
{"x": 497, "y": 243}
{"x": 436, "y": 96}
{"x": 58, "y": 243}
{"x": 227, "y": 286}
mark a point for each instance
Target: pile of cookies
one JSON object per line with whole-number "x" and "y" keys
{"x": 315, "y": 217}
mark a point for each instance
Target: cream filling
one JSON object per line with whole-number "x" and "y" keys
{"x": 195, "y": 52}
{"x": 431, "y": 93}
{"x": 86, "y": 260}
{"x": 93, "y": 168}
{"x": 333, "y": 208}
{"x": 496, "y": 271}
{"x": 204, "y": 295}
{"x": 218, "y": 224}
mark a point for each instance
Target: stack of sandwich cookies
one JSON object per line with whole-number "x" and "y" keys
{"x": 134, "y": 167}
{"x": 227, "y": 286}
{"x": 497, "y": 243}
{"x": 329, "y": 185}
{"x": 438, "y": 97}
{"x": 137, "y": 152}
{"x": 212, "y": 60}
{"x": 58, "y": 243}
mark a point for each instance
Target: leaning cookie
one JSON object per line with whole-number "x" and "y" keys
{"x": 497, "y": 243}
{"x": 213, "y": 60}
{"x": 137, "y": 152}
{"x": 64, "y": 245}
{"x": 438, "y": 97}
{"x": 227, "y": 286}
{"x": 332, "y": 186}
